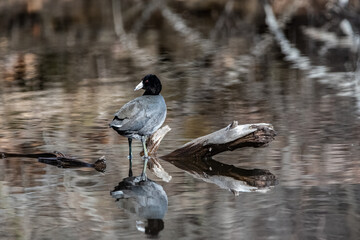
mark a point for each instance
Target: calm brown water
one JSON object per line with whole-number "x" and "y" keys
{"x": 63, "y": 77}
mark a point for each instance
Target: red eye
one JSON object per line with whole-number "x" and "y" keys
{"x": 146, "y": 81}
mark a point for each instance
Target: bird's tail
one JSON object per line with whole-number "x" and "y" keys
{"x": 115, "y": 123}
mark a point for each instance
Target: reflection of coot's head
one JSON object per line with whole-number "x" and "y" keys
{"x": 154, "y": 226}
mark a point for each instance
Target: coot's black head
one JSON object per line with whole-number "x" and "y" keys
{"x": 151, "y": 84}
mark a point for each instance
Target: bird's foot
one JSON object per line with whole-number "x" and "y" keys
{"x": 143, "y": 177}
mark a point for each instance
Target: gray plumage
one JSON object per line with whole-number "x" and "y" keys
{"x": 141, "y": 116}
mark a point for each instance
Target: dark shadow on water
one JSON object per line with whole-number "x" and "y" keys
{"x": 146, "y": 199}
{"x": 60, "y": 160}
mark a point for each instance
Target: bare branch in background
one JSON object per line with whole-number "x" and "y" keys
{"x": 292, "y": 53}
{"x": 179, "y": 25}
{"x": 145, "y": 16}
{"x": 118, "y": 22}
{"x": 343, "y": 19}
{"x": 128, "y": 40}
{"x": 220, "y": 23}
{"x": 285, "y": 16}
{"x": 346, "y": 82}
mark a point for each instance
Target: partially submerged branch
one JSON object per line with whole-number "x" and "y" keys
{"x": 153, "y": 142}
{"x": 60, "y": 160}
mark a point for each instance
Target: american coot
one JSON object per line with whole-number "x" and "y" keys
{"x": 142, "y": 116}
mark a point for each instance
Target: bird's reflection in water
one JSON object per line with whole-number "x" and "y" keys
{"x": 146, "y": 199}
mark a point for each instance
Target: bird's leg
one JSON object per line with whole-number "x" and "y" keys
{"x": 130, "y": 158}
{"x": 146, "y": 158}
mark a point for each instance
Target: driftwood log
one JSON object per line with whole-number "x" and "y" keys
{"x": 195, "y": 157}
{"x": 232, "y": 137}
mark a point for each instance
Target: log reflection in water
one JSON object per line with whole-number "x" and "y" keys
{"x": 156, "y": 168}
{"x": 145, "y": 199}
{"x": 227, "y": 176}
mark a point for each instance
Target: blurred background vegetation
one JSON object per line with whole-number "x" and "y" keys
{"x": 141, "y": 31}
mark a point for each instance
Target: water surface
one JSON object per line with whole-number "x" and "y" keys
{"x": 63, "y": 78}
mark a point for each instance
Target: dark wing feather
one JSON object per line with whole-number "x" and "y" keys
{"x": 130, "y": 117}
